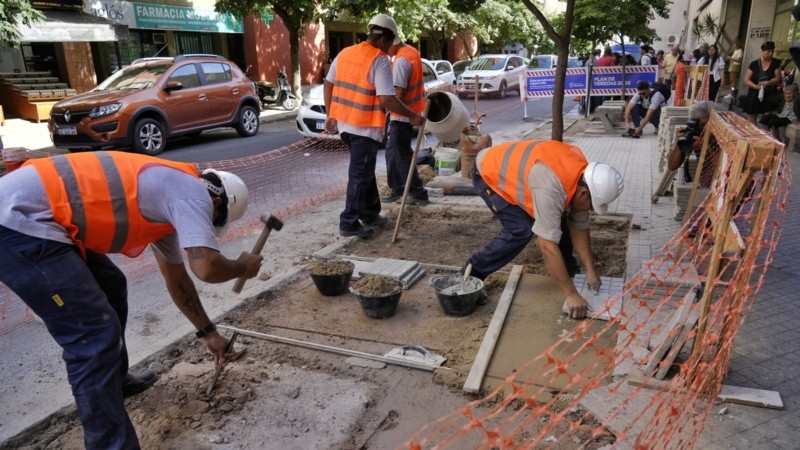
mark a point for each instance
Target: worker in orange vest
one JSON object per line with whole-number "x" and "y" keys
{"x": 409, "y": 86}
{"x": 544, "y": 188}
{"x": 358, "y": 90}
{"x": 60, "y": 216}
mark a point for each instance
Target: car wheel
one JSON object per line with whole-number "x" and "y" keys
{"x": 503, "y": 90}
{"x": 149, "y": 137}
{"x": 289, "y": 103}
{"x": 248, "y": 122}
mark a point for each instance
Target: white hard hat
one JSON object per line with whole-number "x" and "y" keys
{"x": 605, "y": 185}
{"x": 236, "y": 192}
{"x": 384, "y": 21}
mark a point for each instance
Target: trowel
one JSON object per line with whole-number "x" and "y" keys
{"x": 416, "y": 353}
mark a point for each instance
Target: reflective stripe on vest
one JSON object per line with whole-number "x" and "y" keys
{"x": 414, "y": 97}
{"x": 354, "y": 100}
{"x": 505, "y": 168}
{"x": 94, "y": 196}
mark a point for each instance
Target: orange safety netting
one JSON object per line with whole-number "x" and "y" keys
{"x": 284, "y": 182}
{"x": 680, "y": 314}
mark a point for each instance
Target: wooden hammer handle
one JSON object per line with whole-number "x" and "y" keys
{"x": 262, "y": 239}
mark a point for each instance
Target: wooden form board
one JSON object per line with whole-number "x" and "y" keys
{"x": 663, "y": 341}
{"x": 731, "y": 394}
{"x": 478, "y": 370}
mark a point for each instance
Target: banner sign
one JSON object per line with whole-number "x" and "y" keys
{"x": 163, "y": 17}
{"x": 606, "y": 81}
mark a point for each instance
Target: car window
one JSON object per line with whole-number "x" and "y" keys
{"x": 574, "y": 62}
{"x": 427, "y": 73}
{"x": 443, "y": 67}
{"x": 488, "y": 64}
{"x": 133, "y": 77}
{"x": 516, "y": 62}
{"x": 187, "y": 75}
{"x": 216, "y": 72}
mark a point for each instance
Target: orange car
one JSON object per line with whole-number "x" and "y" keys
{"x": 153, "y": 99}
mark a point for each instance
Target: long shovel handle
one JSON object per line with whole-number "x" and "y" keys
{"x": 411, "y": 170}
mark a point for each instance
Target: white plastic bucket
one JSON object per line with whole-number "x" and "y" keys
{"x": 447, "y": 160}
{"x": 447, "y": 116}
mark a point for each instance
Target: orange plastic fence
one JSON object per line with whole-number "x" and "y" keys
{"x": 694, "y": 294}
{"x": 284, "y": 182}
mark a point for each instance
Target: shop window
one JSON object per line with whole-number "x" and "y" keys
{"x": 189, "y": 43}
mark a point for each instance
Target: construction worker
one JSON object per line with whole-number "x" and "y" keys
{"x": 409, "y": 86}
{"x": 544, "y": 188}
{"x": 357, "y": 89}
{"x": 60, "y": 216}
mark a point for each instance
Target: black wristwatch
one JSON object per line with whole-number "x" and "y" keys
{"x": 208, "y": 329}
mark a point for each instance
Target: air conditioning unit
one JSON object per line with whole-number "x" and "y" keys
{"x": 159, "y": 38}
{"x": 672, "y": 39}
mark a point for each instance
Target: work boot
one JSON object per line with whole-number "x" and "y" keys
{"x": 391, "y": 198}
{"x": 417, "y": 201}
{"x": 135, "y": 384}
{"x": 378, "y": 222}
{"x": 363, "y": 232}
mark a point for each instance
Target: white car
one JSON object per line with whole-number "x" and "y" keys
{"x": 311, "y": 115}
{"x": 497, "y": 74}
{"x": 445, "y": 71}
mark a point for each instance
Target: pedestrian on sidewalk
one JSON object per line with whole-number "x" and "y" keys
{"x": 60, "y": 216}
{"x": 716, "y": 68}
{"x": 544, "y": 188}
{"x": 761, "y": 79}
{"x": 734, "y": 67}
{"x": 409, "y": 86}
{"x": 645, "y": 107}
{"x": 358, "y": 90}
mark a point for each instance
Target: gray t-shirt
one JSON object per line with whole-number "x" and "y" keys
{"x": 185, "y": 204}
{"x": 654, "y": 101}
{"x": 380, "y": 75}
{"x": 549, "y": 198}
{"x": 401, "y": 71}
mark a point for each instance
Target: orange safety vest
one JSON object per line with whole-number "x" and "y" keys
{"x": 414, "y": 97}
{"x": 354, "y": 100}
{"x": 93, "y": 195}
{"x": 505, "y": 168}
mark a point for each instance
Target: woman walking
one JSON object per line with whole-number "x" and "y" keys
{"x": 761, "y": 79}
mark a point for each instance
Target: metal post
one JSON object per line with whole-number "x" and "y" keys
{"x": 589, "y": 88}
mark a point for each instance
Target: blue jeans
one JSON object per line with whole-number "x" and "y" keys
{"x": 638, "y": 113}
{"x": 514, "y": 236}
{"x": 398, "y": 161}
{"x": 84, "y": 305}
{"x": 362, "y": 201}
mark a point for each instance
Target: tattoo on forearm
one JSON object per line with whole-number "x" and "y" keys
{"x": 194, "y": 253}
{"x": 190, "y": 300}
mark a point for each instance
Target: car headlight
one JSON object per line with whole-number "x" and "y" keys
{"x": 104, "y": 110}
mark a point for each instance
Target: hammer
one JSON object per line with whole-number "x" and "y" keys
{"x": 270, "y": 223}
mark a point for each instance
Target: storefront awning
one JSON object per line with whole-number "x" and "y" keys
{"x": 72, "y": 26}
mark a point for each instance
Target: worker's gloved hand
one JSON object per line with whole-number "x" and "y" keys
{"x": 251, "y": 262}
{"x": 577, "y": 305}
{"x": 593, "y": 281}
{"x": 216, "y": 344}
{"x": 417, "y": 120}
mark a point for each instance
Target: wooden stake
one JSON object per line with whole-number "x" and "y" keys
{"x": 411, "y": 170}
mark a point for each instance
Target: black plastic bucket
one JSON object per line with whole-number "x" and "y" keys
{"x": 461, "y": 302}
{"x": 381, "y": 306}
{"x": 332, "y": 285}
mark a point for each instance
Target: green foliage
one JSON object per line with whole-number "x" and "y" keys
{"x": 12, "y": 12}
{"x": 707, "y": 27}
{"x": 602, "y": 20}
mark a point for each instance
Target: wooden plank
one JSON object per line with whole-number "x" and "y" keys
{"x": 752, "y": 397}
{"x": 663, "y": 342}
{"x": 680, "y": 341}
{"x": 639, "y": 379}
{"x": 481, "y": 363}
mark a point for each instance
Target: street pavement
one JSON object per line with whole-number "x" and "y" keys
{"x": 766, "y": 354}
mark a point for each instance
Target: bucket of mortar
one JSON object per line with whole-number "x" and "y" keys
{"x": 379, "y": 306}
{"x": 447, "y": 116}
{"x": 331, "y": 278}
{"x": 456, "y": 297}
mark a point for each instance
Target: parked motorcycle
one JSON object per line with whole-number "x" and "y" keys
{"x": 270, "y": 94}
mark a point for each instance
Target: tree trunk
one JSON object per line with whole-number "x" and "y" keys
{"x": 294, "y": 52}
